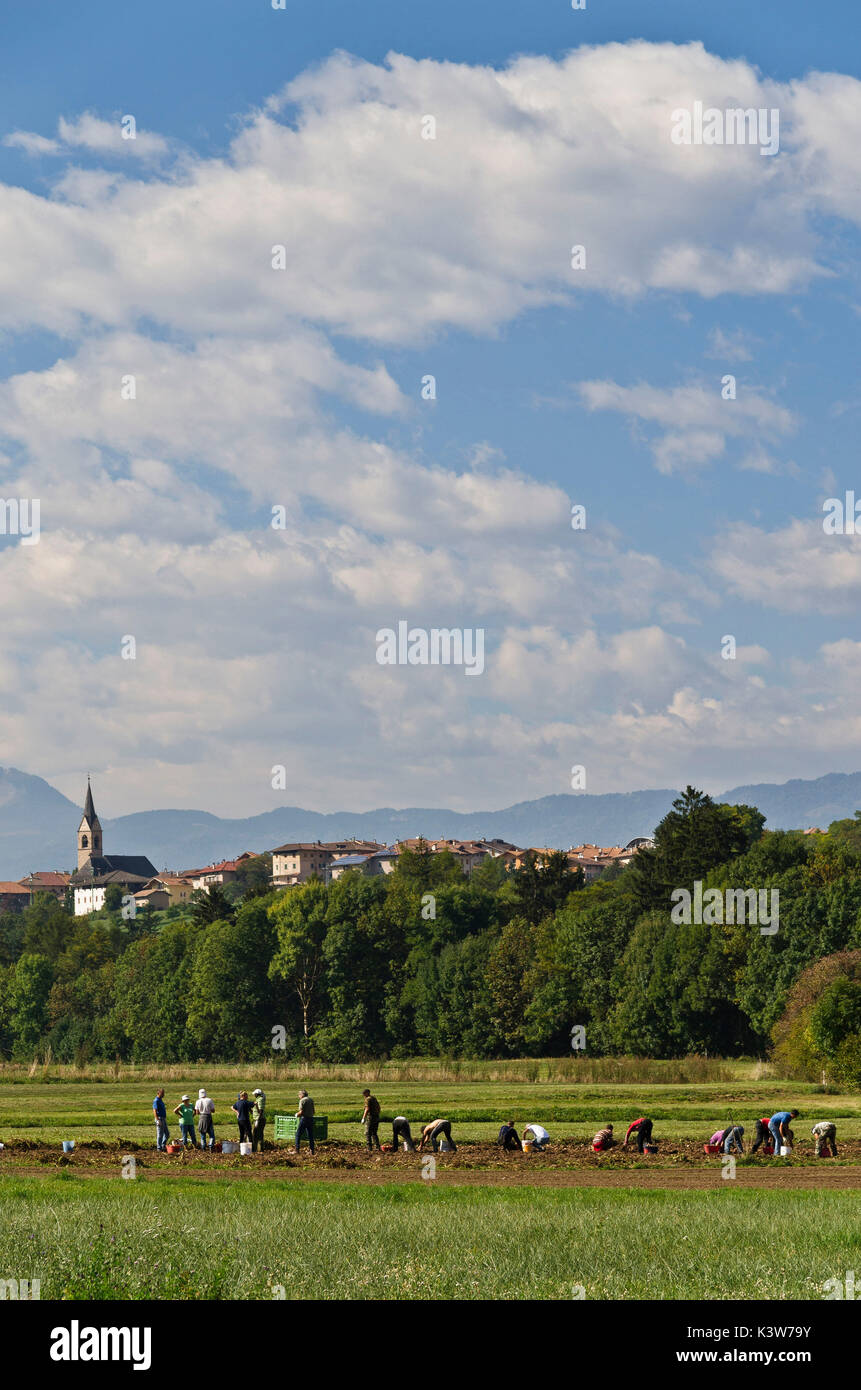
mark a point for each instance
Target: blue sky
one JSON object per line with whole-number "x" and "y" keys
{"x": 702, "y": 520}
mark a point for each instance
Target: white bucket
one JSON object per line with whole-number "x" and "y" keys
{"x": 785, "y": 1151}
{"x": 228, "y": 1146}
{"x": 245, "y": 1148}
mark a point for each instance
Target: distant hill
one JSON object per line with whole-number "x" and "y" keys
{"x": 38, "y": 824}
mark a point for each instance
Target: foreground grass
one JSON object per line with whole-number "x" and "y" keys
{"x": 204, "y": 1240}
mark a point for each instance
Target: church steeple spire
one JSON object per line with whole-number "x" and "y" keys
{"x": 89, "y": 832}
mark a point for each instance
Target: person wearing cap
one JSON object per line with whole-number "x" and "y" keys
{"x": 242, "y": 1110}
{"x": 185, "y": 1111}
{"x": 205, "y": 1109}
{"x": 259, "y": 1118}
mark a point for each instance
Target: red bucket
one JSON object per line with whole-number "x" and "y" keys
{"x": 711, "y": 1148}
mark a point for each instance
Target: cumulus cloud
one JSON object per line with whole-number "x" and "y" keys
{"x": 257, "y": 387}
{"x": 694, "y": 421}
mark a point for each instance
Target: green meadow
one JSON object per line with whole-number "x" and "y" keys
{"x": 181, "y": 1239}
{"x": 55, "y": 1103}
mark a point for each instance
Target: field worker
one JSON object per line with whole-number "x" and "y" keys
{"x": 433, "y": 1132}
{"x": 716, "y": 1139}
{"x": 242, "y": 1110}
{"x": 401, "y": 1130}
{"x": 643, "y": 1130}
{"x": 508, "y": 1137}
{"x": 259, "y": 1118}
{"x": 825, "y": 1132}
{"x": 185, "y": 1111}
{"x": 371, "y": 1120}
{"x": 733, "y": 1138}
{"x": 305, "y": 1116}
{"x": 604, "y": 1139}
{"x": 204, "y": 1108}
{"x": 762, "y": 1135}
{"x": 537, "y": 1133}
{"x": 778, "y": 1127}
{"x": 162, "y": 1133}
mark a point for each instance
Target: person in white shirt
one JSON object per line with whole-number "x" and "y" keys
{"x": 538, "y": 1134}
{"x": 204, "y": 1108}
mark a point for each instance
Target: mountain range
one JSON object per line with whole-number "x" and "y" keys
{"x": 38, "y": 824}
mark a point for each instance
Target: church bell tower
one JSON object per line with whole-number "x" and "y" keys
{"x": 89, "y": 833}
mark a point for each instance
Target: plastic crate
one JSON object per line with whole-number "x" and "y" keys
{"x": 286, "y": 1126}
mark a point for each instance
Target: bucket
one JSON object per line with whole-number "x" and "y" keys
{"x": 174, "y": 1148}
{"x": 528, "y": 1145}
{"x": 650, "y": 1148}
{"x": 785, "y": 1151}
{"x": 68, "y": 1145}
{"x": 245, "y": 1148}
{"x": 711, "y": 1148}
{"x": 228, "y": 1146}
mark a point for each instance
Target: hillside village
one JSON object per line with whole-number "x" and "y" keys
{"x": 86, "y": 889}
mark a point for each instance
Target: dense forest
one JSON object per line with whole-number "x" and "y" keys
{"x": 425, "y": 961}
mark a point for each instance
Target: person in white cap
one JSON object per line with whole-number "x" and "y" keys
{"x": 258, "y": 1120}
{"x": 185, "y": 1111}
{"x": 205, "y": 1109}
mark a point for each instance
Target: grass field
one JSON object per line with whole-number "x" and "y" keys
{"x": 491, "y": 1227}
{"x": 55, "y": 1104}
{"x": 188, "y": 1240}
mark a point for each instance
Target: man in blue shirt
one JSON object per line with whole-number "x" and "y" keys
{"x": 161, "y": 1131}
{"x": 778, "y": 1127}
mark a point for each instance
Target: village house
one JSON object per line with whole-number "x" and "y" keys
{"x": 221, "y": 873}
{"x": 296, "y": 863}
{"x": 382, "y": 861}
{"x": 51, "y": 881}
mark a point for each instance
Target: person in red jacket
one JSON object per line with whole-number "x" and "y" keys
{"x": 643, "y": 1130}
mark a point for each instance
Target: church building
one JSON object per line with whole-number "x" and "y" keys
{"x": 96, "y": 871}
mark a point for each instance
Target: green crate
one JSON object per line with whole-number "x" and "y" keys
{"x": 286, "y": 1126}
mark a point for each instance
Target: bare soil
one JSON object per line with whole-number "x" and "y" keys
{"x": 567, "y": 1163}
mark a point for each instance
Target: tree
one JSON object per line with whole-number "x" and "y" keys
{"x": 210, "y": 905}
{"x": 232, "y": 1002}
{"x": 300, "y": 923}
{"x": 696, "y": 836}
{"x": 28, "y": 995}
{"x": 543, "y": 884}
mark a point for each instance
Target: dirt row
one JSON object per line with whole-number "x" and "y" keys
{"x": 679, "y": 1164}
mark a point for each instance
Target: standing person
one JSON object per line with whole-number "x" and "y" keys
{"x": 204, "y": 1108}
{"x": 371, "y": 1120}
{"x": 825, "y": 1132}
{"x": 643, "y": 1130}
{"x": 733, "y": 1138}
{"x": 242, "y": 1110}
{"x": 401, "y": 1130}
{"x": 162, "y": 1133}
{"x": 779, "y": 1129}
{"x": 432, "y": 1133}
{"x": 259, "y": 1116}
{"x": 305, "y": 1116}
{"x": 762, "y": 1135}
{"x": 508, "y": 1137}
{"x": 185, "y": 1111}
